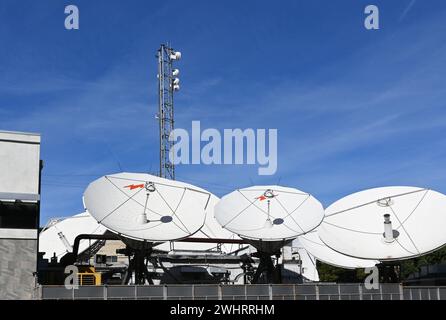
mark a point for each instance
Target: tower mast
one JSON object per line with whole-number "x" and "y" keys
{"x": 168, "y": 83}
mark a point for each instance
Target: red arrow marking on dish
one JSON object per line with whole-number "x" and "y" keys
{"x": 135, "y": 186}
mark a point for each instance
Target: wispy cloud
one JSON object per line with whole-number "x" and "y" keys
{"x": 407, "y": 9}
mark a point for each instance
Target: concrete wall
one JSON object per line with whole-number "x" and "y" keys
{"x": 19, "y": 162}
{"x": 18, "y": 261}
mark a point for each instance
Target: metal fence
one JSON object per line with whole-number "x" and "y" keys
{"x": 424, "y": 293}
{"x": 244, "y": 292}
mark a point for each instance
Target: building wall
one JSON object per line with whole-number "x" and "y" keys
{"x": 19, "y": 213}
{"x": 18, "y": 261}
{"x": 19, "y": 162}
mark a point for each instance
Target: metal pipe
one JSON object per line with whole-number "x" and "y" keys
{"x": 106, "y": 236}
{"x": 213, "y": 240}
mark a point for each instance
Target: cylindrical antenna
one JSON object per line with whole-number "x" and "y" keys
{"x": 142, "y": 218}
{"x": 268, "y": 223}
{"x": 388, "y": 230}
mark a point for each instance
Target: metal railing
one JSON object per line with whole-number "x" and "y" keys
{"x": 244, "y": 292}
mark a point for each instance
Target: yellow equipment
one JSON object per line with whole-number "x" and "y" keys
{"x": 88, "y": 276}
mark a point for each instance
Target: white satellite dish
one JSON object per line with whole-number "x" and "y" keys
{"x": 143, "y": 207}
{"x": 59, "y": 237}
{"x": 210, "y": 230}
{"x": 269, "y": 213}
{"x": 314, "y": 245}
{"x": 389, "y": 223}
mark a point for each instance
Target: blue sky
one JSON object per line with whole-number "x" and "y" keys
{"x": 354, "y": 108}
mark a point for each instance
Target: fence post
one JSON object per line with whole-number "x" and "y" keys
{"x": 360, "y": 292}
{"x": 105, "y": 292}
{"x": 401, "y": 292}
{"x": 438, "y": 293}
{"x": 317, "y": 292}
{"x": 270, "y": 291}
{"x": 164, "y": 292}
{"x": 220, "y": 292}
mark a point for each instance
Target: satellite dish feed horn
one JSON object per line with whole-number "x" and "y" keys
{"x": 388, "y": 231}
{"x": 389, "y": 234}
{"x": 268, "y": 223}
{"x": 150, "y": 188}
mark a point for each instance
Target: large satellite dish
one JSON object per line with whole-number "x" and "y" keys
{"x": 389, "y": 223}
{"x": 143, "y": 207}
{"x": 59, "y": 238}
{"x": 314, "y": 245}
{"x": 210, "y": 230}
{"x": 269, "y": 213}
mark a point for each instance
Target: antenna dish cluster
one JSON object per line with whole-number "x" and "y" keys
{"x": 360, "y": 230}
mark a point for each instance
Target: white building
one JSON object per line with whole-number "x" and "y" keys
{"x": 20, "y": 168}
